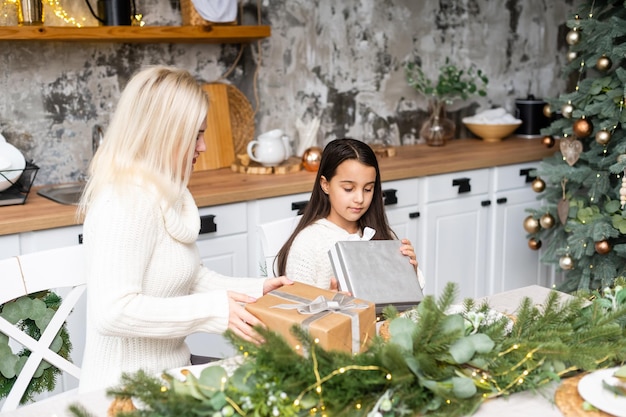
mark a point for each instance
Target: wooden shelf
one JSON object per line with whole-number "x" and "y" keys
{"x": 135, "y": 34}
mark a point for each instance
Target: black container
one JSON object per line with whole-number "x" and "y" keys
{"x": 530, "y": 112}
{"x": 115, "y": 12}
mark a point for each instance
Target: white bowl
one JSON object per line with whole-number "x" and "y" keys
{"x": 10, "y": 174}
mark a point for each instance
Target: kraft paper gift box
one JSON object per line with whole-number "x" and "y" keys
{"x": 338, "y": 321}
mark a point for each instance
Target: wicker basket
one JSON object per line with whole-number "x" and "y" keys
{"x": 192, "y": 18}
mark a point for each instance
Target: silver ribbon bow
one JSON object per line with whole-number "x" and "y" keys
{"x": 340, "y": 302}
{"x": 321, "y": 306}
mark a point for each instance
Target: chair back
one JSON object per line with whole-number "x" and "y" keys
{"x": 57, "y": 269}
{"x": 273, "y": 237}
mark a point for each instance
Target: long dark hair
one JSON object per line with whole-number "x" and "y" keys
{"x": 318, "y": 207}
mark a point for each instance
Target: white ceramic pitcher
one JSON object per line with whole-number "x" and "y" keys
{"x": 270, "y": 148}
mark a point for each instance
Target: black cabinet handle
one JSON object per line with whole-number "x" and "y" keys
{"x": 207, "y": 224}
{"x": 390, "y": 197}
{"x": 414, "y": 215}
{"x": 463, "y": 184}
{"x": 80, "y": 238}
{"x": 501, "y": 200}
{"x": 526, "y": 172}
{"x": 299, "y": 205}
{"x": 485, "y": 203}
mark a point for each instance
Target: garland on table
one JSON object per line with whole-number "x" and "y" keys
{"x": 435, "y": 362}
{"x": 31, "y": 314}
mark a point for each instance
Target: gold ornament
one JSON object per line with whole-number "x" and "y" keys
{"x": 566, "y": 262}
{"x": 582, "y": 127}
{"x": 547, "y": 110}
{"x": 567, "y": 110}
{"x": 571, "y": 150}
{"x": 534, "y": 244}
{"x": 538, "y": 185}
{"x": 548, "y": 141}
{"x": 531, "y": 225}
{"x": 604, "y": 63}
{"x": 572, "y": 55}
{"x": 603, "y": 136}
{"x": 603, "y": 247}
{"x": 546, "y": 221}
{"x": 311, "y": 158}
{"x": 572, "y": 37}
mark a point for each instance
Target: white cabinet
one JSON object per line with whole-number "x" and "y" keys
{"x": 455, "y": 216}
{"x": 513, "y": 264}
{"x": 50, "y": 238}
{"x": 264, "y": 211}
{"x": 9, "y": 245}
{"x": 474, "y": 233}
{"x": 223, "y": 247}
{"x": 402, "y": 209}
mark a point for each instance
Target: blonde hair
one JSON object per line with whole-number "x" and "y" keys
{"x": 152, "y": 135}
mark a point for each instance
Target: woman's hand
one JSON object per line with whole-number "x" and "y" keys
{"x": 407, "y": 250}
{"x": 271, "y": 284}
{"x": 240, "y": 320}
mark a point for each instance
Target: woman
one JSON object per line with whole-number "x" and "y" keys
{"x": 346, "y": 203}
{"x": 147, "y": 288}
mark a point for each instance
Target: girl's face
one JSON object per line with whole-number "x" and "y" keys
{"x": 350, "y": 193}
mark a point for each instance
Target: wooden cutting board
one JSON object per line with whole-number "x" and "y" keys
{"x": 220, "y": 151}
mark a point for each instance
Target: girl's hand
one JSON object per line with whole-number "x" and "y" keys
{"x": 240, "y": 320}
{"x": 271, "y": 284}
{"x": 407, "y": 250}
{"x": 334, "y": 286}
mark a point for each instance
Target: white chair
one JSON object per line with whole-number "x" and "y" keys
{"x": 273, "y": 237}
{"x": 58, "y": 270}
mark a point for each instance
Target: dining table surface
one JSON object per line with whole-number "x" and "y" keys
{"x": 539, "y": 403}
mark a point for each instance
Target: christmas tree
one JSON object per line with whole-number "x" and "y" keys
{"x": 582, "y": 223}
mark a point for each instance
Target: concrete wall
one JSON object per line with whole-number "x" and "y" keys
{"x": 339, "y": 60}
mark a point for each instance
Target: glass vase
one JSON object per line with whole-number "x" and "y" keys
{"x": 438, "y": 128}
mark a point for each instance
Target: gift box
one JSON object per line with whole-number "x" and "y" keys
{"x": 336, "y": 320}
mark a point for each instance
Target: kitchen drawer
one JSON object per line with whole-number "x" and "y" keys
{"x": 277, "y": 208}
{"x": 401, "y": 193}
{"x": 510, "y": 177}
{"x": 456, "y": 185}
{"x": 223, "y": 220}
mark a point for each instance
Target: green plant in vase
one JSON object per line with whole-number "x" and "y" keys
{"x": 453, "y": 83}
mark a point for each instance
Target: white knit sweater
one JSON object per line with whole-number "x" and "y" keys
{"x": 308, "y": 259}
{"x": 146, "y": 287}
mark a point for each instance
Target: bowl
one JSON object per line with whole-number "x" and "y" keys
{"x": 492, "y": 132}
{"x": 11, "y": 173}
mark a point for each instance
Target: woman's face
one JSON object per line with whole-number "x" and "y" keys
{"x": 199, "y": 147}
{"x": 200, "y": 144}
{"x": 350, "y": 193}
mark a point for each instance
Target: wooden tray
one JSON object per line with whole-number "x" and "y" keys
{"x": 570, "y": 402}
{"x": 243, "y": 165}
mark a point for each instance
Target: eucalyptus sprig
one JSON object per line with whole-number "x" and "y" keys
{"x": 452, "y": 83}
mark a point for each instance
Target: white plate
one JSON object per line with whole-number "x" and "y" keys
{"x": 591, "y": 389}
{"x": 14, "y": 171}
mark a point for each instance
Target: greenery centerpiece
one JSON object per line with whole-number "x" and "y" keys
{"x": 453, "y": 83}
{"x": 438, "y": 361}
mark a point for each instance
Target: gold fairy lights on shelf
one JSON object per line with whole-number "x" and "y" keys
{"x": 59, "y": 11}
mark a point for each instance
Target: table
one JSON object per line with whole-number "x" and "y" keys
{"x": 523, "y": 404}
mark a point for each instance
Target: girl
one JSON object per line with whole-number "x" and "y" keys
{"x": 147, "y": 287}
{"x": 346, "y": 203}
